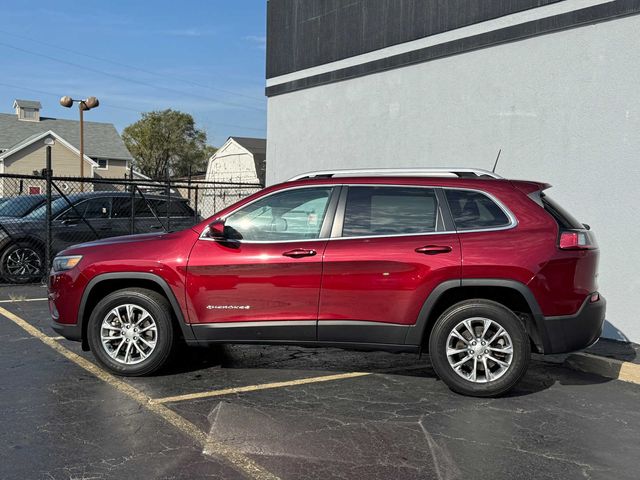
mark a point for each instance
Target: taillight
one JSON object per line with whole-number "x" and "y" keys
{"x": 577, "y": 240}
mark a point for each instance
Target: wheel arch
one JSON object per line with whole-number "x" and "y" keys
{"x": 106, "y": 283}
{"x": 512, "y": 294}
{"x": 11, "y": 241}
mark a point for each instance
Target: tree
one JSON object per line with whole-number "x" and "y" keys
{"x": 167, "y": 142}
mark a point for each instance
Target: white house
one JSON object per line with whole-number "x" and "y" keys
{"x": 238, "y": 169}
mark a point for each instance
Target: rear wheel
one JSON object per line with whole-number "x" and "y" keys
{"x": 22, "y": 262}
{"x": 479, "y": 348}
{"x": 130, "y": 332}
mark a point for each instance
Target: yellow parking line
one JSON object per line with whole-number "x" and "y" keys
{"x": 236, "y": 458}
{"x": 18, "y": 300}
{"x": 253, "y": 388}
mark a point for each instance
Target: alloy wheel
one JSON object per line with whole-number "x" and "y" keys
{"x": 22, "y": 262}
{"x": 479, "y": 350}
{"x": 128, "y": 334}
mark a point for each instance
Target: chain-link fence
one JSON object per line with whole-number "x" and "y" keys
{"x": 42, "y": 215}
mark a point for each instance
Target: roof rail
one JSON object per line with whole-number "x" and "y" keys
{"x": 400, "y": 172}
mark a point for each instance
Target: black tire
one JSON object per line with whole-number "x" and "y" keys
{"x": 33, "y": 264}
{"x": 158, "y": 308}
{"x": 506, "y": 377}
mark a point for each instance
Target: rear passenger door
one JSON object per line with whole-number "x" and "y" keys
{"x": 390, "y": 247}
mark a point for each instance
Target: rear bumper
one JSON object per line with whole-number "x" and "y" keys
{"x": 70, "y": 332}
{"x": 569, "y": 333}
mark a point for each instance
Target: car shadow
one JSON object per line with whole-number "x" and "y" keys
{"x": 543, "y": 372}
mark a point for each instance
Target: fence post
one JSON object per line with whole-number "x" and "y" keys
{"x": 168, "y": 203}
{"x": 189, "y": 185}
{"x": 47, "y": 247}
{"x": 195, "y": 207}
{"x": 133, "y": 209}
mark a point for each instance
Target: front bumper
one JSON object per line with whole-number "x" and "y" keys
{"x": 569, "y": 333}
{"x": 70, "y": 332}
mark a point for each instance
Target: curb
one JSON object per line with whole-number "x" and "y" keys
{"x": 604, "y": 366}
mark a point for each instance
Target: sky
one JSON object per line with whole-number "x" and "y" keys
{"x": 206, "y": 58}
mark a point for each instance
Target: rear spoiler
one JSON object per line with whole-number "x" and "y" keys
{"x": 529, "y": 187}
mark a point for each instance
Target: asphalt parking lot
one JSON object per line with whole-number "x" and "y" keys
{"x": 287, "y": 412}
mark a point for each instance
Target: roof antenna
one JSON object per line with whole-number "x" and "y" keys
{"x": 496, "y": 163}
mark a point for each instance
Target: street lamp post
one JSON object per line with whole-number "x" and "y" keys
{"x": 86, "y": 104}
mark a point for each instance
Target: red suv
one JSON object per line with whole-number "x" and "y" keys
{"x": 476, "y": 269}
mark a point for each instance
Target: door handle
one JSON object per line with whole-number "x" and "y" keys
{"x": 433, "y": 249}
{"x": 299, "y": 253}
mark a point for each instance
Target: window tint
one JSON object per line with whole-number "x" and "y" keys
{"x": 177, "y": 208}
{"x": 20, "y": 206}
{"x": 93, "y": 208}
{"x": 121, "y": 207}
{"x": 289, "y": 215}
{"x": 142, "y": 209}
{"x": 561, "y": 216}
{"x": 389, "y": 211}
{"x": 473, "y": 210}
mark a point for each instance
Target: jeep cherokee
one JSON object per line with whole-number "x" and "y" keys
{"x": 475, "y": 269}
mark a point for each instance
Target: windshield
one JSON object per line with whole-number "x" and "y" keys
{"x": 20, "y": 206}
{"x": 57, "y": 206}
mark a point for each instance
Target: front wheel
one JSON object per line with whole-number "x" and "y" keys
{"x": 22, "y": 262}
{"x": 479, "y": 348}
{"x": 130, "y": 332}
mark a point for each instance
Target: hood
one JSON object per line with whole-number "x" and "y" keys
{"x": 120, "y": 240}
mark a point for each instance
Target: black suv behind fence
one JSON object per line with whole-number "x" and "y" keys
{"x": 41, "y": 215}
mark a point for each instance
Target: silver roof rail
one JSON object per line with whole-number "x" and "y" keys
{"x": 399, "y": 172}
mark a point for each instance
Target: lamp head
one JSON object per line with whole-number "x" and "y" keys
{"x": 66, "y": 101}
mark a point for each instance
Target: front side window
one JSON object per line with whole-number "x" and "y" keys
{"x": 89, "y": 209}
{"x": 288, "y": 215}
{"x": 474, "y": 210}
{"x": 376, "y": 211}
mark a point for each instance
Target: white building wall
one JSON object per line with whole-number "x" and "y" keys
{"x": 563, "y": 107}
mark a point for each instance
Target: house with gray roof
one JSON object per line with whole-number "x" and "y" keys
{"x": 22, "y": 148}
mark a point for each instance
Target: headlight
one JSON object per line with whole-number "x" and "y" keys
{"x": 61, "y": 264}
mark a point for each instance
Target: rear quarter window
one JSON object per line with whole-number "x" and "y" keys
{"x": 473, "y": 210}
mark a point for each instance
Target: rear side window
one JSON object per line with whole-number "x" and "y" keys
{"x": 389, "y": 211}
{"x": 177, "y": 208}
{"x": 121, "y": 207}
{"x": 562, "y": 217}
{"x": 474, "y": 210}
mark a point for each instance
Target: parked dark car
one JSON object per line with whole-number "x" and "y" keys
{"x": 81, "y": 218}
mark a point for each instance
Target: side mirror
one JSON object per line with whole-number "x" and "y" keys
{"x": 216, "y": 231}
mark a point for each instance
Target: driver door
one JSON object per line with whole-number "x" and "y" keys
{"x": 263, "y": 281}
